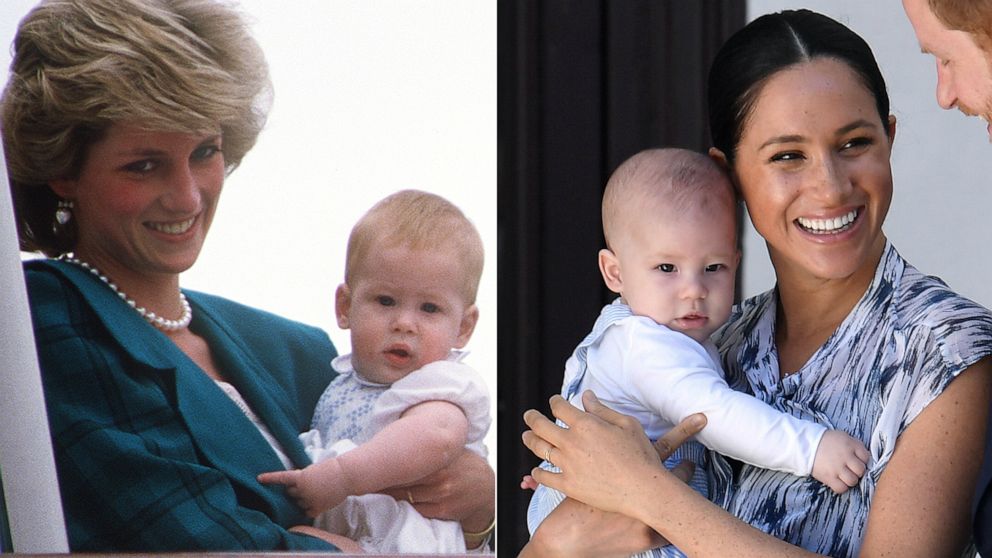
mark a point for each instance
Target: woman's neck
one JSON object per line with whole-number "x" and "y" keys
{"x": 810, "y": 309}
{"x": 157, "y": 292}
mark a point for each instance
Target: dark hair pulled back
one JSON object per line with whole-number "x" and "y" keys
{"x": 772, "y": 43}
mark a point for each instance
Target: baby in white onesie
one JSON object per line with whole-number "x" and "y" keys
{"x": 403, "y": 405}
{"x": 669, "y": 217}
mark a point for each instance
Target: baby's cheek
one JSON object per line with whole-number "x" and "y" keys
{"x": 437, "y": 346}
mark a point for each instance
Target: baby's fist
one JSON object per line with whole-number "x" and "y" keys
{"x": 840, "y": 461}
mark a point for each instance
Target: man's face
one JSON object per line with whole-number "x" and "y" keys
{"x": 964, "y": 69}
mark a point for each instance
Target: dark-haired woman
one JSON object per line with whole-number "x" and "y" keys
{"x": 852, "y": 335}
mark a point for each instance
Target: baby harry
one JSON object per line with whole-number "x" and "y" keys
{"x": 402, "y": 406}
{"x": 669, "y": 217}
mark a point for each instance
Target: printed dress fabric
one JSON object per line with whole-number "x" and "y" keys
{"x": 352, "y": 410}
{"x": 903, "y": 343}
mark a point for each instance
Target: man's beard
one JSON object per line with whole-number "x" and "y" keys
{"x": 985, "y": 114}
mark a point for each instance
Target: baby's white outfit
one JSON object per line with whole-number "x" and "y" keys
{"x": 353, "y": 409}
{"x": 660, "y": 376}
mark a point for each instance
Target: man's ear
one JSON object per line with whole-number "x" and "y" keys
{"x": 469, "y": 318}
{"x": 609, "y": 266}
{"x": 342, "y": 305}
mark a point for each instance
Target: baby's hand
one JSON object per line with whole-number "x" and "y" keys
{"x": 308, "y": 489}
{"x": 289, "y": 479}
{"x": 528, "y": 483}
{"x": 840, "y": 461}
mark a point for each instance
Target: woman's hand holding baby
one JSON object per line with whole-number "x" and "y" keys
{"x": 840, "y": 461}
{"x": 460, "y": 491}
{"x": 600, "y": 533}
{"x": 596, "y": 444}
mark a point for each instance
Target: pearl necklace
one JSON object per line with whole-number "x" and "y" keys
{"x": 150, "y": 317}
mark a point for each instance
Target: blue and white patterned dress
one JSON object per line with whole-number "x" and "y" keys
{"x": 903, "y": 343}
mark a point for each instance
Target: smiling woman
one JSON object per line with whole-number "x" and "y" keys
{"x": 832, "y": 136}
{"x": 852, "y": 336}
{"x": 150, "y": 197}
{"x": 133, "y": 392}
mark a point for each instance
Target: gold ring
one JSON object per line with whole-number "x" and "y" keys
{"x": 409, "y": 497}
{"x": 547, "y": 455}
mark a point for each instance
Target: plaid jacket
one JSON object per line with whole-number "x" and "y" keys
{"x": 151, "y": 454}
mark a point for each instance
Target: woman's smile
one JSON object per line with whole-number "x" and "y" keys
{"x": 813, "y": 167}
{"x": 830, "y": 225}
{"x": 145, "y": 199}
{"x": 171, "y": 228}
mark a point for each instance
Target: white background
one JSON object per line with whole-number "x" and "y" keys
{"x": 371, "y": 96}
{"x": 941, "y": 160}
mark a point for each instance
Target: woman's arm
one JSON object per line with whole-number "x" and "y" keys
{"x": 577, "y": 529}
{"x": 607, "y": 462}
{"x": 920, "y": 508}
{"x": 922, "y": 503}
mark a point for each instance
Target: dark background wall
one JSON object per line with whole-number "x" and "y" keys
{"x": 582, "y": 86}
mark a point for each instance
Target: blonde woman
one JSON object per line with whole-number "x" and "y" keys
{"x": 121, "y": 120}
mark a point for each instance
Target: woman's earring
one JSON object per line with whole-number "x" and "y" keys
{"x": 63, "y": 214}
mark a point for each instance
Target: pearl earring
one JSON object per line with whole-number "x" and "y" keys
{"x": 63, "y": 214}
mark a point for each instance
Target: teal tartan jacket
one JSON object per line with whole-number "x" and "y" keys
{"x": 151, "y": 455}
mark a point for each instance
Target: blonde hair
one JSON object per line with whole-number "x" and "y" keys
{"x": 972, "y": 16}
{"x": 663, "y": 178}
{"x": 81, "y": 66}
{"x": 419, "y": 221}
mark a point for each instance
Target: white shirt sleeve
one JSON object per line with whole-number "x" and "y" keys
{"x": 674, "y": 375}
{"x": 438, "y": 381}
